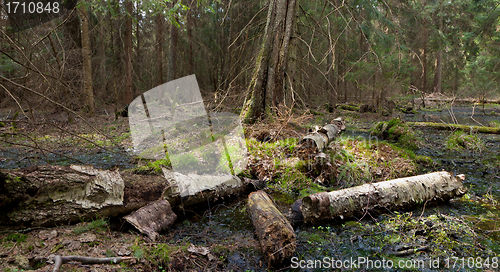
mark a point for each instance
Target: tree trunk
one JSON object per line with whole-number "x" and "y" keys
{"x": 438, "y": 72}
{"x": 276, "y": 236}
{"x": 172, "y": 53}
{"x": 159, "y": 47}
{"x": 381, "y": 196}
{"x": 129, "y": 85}
{"x": 51, "y": 195}
{"x": 88, "y": 92}
{"x": 267, "y": 84}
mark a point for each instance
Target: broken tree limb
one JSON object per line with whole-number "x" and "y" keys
{"x": 466, "y": 128}
{"x": 276, "y": 236}
{"x": 391, "y": 194}
{"x": 317, "y": 140}
{"x": 60, "y": 260}
{"x": 152, "y": 218}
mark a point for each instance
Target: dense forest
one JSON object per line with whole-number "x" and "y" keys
{"x": 108, "y": 52}
{"x": 239, "y": 135}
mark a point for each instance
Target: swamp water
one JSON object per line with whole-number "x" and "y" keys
{"x": 464, "y": 228}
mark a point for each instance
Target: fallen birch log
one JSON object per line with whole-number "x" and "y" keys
{"x": 60, "y": 260}
{"x": 466, "y": 128}
{"x": 391, "y": 194}
{"x": 276, "y": 236}
{"x": 317, "y": 140}
{"x": 50, "y": 195}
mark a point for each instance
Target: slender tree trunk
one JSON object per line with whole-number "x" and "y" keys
{"x": 138, "y": 44}
{"x": 190, "y": 38}
{"x": 88, "y": 92}
{"x": 159, "y": 47}
{"x": 172, "y": 53}
{"x": 129, "y": 87}
{"x": 438, "y": 72}
{"x": 266, "y": 87}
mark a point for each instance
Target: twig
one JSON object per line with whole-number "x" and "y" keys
{"x": 409, "y": 251}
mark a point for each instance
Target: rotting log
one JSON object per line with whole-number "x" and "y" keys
{"x": 189, "y": 190}
{"x": 152, "y": 218}
{"x": 317, "y": 140}
{"x": 466, "y": 128}
{"x": 385, "y": 195}
{"x": 276, "y": 236}
{"x": 50, "y": 195}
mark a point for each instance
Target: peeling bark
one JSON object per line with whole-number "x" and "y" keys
{"x": 391, "y": 194}
{"x": 316, "y": 141}
{"x": 152, "y": 218}
{"x": 51, "y": 195}
{"x": 276, "y": 236}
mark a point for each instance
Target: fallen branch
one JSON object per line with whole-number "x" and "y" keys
{"x": 60, "y": 260}
{"x": 391, "y": 194}
{"x": 276, "y": 236}
{"x": 444, "y": 126}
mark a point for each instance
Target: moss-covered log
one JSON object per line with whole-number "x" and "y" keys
{"x": 276, "y": 236}
{"x": 444, "y": 126}
{"x": 386, "y": 195}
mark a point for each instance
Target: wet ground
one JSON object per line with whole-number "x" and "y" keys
{"x": 458, "y": 236}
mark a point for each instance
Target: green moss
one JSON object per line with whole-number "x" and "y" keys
{"x": 152, "y": 168}
{"x": 16, "y": 237}
{"x": 95, "y": 225}
{"x": 460, "y": 140}
{"x": 396, "y": 131}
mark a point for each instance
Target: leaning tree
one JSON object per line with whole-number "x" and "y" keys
{"x": 266, "y": 89}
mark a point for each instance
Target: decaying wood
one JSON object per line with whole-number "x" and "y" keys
{"x": 466, "y": 128}
{"x": 391, "y": 194}
{"x": 152, "y": 218}
{"x": 276, "y": 236}
{"x": 60, "y": 260}
{"x": 192, "y": 189}
{"x": 51, "y": 195}
{"x": 317, "y": 140}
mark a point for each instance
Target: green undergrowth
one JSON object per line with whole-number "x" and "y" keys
{"x": 396, "y": 131}
{"x": 460, "y": 140}
{"x": 345, "y": 163}
{"x": 152, "y": 167}
{"x": 94, "y": 225}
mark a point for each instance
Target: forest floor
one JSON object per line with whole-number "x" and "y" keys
{"x": 460, "y": 235}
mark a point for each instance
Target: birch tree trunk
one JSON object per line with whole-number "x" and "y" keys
{"x": 391, "y": 194}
